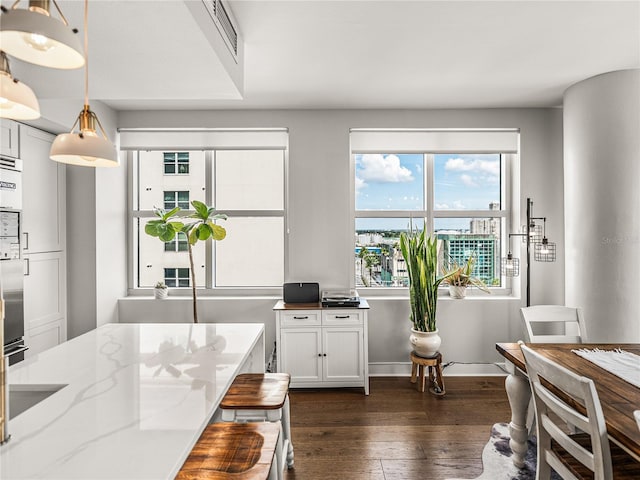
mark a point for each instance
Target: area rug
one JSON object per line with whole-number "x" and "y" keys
{"x": 496, "y": 458}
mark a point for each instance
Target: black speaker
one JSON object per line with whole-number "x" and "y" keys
{"x": 301, "y": 292}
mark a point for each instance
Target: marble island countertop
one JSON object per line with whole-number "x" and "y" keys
{"x": 132, "y": 399}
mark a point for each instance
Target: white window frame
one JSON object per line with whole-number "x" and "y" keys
{"x": 209, "y": 140}
{"x": 507, "y": 214}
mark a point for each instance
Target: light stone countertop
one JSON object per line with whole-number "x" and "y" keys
{"x": 135, "y": 402}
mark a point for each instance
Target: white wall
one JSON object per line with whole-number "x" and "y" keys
{"x": 602, "y": 203}
{"x": 319, "y": 223}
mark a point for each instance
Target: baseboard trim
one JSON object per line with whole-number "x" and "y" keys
{"x": 403, "y": 369}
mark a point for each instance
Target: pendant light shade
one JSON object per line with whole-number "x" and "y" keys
{"x": 17, "y": 100}
{"x": 35, "y": 36}
{"x": 510, "y": 266}
{"x": 87, "y": 147}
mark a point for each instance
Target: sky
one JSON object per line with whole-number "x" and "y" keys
{"x": 396, "y": 182}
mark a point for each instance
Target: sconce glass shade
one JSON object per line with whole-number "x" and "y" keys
{"x": 510, "y": 266}
{"x": 544, "y": 251}
{"x": 36, "y": 37}
{"x": 85, "y": 148}
{"x": 17, "y": 100}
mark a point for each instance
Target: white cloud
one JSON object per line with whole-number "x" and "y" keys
{"x": 468, "y": 180}
{"x": 377, "y": 168}
{"x": 359, "y": 185}
{"x": 474, "y": 171}
{"x": 442, "y": 206}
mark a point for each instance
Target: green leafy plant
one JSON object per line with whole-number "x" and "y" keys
{"x": 420, "y": 254}
{"x": 202, "y": 227}
{"x": 462, "y": 275}
{"x": 160, "y": 284}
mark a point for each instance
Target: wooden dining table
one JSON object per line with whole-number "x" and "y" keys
{"x": 618, "y": 397}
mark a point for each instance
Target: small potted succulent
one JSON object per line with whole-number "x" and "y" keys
{"x": 160, "y": 290}
{"x": 461, "y": 276}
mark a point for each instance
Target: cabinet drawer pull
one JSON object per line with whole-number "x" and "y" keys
{"x": 26, "y": 241}
{"x": 28, "y": 272}
{"x": 342, "y": 316}
{"x": 301, "y": 318}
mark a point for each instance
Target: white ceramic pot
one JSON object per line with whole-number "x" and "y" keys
{"x": 161, "y": 293}
{"x": 425, "y": 344}
{"x": 456, "y": 291}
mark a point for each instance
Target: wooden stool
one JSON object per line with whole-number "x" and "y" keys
{"x": 434, "y": 372}
{"x": 262, "y": 397}
{"x": 234, "y": 451}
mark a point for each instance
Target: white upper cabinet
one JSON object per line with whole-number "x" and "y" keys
{"x": 43, "y": 194}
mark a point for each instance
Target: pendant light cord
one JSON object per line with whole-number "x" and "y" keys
{"x": 86, "y": 54}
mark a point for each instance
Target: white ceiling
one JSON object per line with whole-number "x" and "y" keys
{"x": 152, "y": 54}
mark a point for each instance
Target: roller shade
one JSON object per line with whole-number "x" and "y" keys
{"x": 205, "y": 139}
{"x": 434, "y": 141}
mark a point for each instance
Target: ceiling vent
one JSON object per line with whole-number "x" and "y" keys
{"x": 223, "y": 21}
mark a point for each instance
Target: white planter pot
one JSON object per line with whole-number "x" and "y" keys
{"x": 456, "y": 291}
{"x": 425, "y": 344}
{"x": 161, "y": 293}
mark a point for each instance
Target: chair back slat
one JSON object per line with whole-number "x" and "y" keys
{"x": 553, "y": 324}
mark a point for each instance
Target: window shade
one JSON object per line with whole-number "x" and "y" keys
{"x": 165, "y": 139}
{"x": 434, "y": 141}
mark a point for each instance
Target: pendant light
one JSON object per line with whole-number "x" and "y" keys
{"x": 34, "y": 36}
{"x": 89, "y": 147}
{"x": 17, "y": 100}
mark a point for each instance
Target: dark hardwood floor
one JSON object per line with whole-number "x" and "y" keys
{"x": 396, "y": 433}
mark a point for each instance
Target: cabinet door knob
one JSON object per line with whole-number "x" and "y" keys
{"x": 319, "y": 354}
{"x": 324, "y": 354}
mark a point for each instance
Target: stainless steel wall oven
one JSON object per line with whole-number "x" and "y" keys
{"x": 12, "y": 267}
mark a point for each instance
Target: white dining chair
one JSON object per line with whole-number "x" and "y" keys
{"x": 579, "y": 455}
{"x": 553, "y": 324}
{"x": 637, "y": 415}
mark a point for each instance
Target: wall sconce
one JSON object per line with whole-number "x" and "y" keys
{"x": 533, "y": 234}
{"x": 17, "y": 100}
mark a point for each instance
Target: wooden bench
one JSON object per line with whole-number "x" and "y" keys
{"x": 434, "y": 373}
{"x": 262, "y": 397}
{"x": 239, "y": 451}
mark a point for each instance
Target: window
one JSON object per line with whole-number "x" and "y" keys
{"x": 176, "y": 199}
{"x": 177, "y": 277}
{"x": 176, "y": 163}
{"x": 461, "y": 195}
{"x": 179, "y": 244}
{"x": 243, "y": 179}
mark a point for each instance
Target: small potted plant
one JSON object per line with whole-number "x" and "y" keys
{"x": 461, "y": 276}
{"x": 161, "y": 290}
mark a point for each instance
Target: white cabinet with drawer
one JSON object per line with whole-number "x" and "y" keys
{"x": 323, "y": 347}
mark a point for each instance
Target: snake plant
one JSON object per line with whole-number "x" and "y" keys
{"x": 420, "y": 253}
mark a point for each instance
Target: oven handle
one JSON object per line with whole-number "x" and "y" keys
{"x": 15, "y": 347}
{"x": 16, "y": 351}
